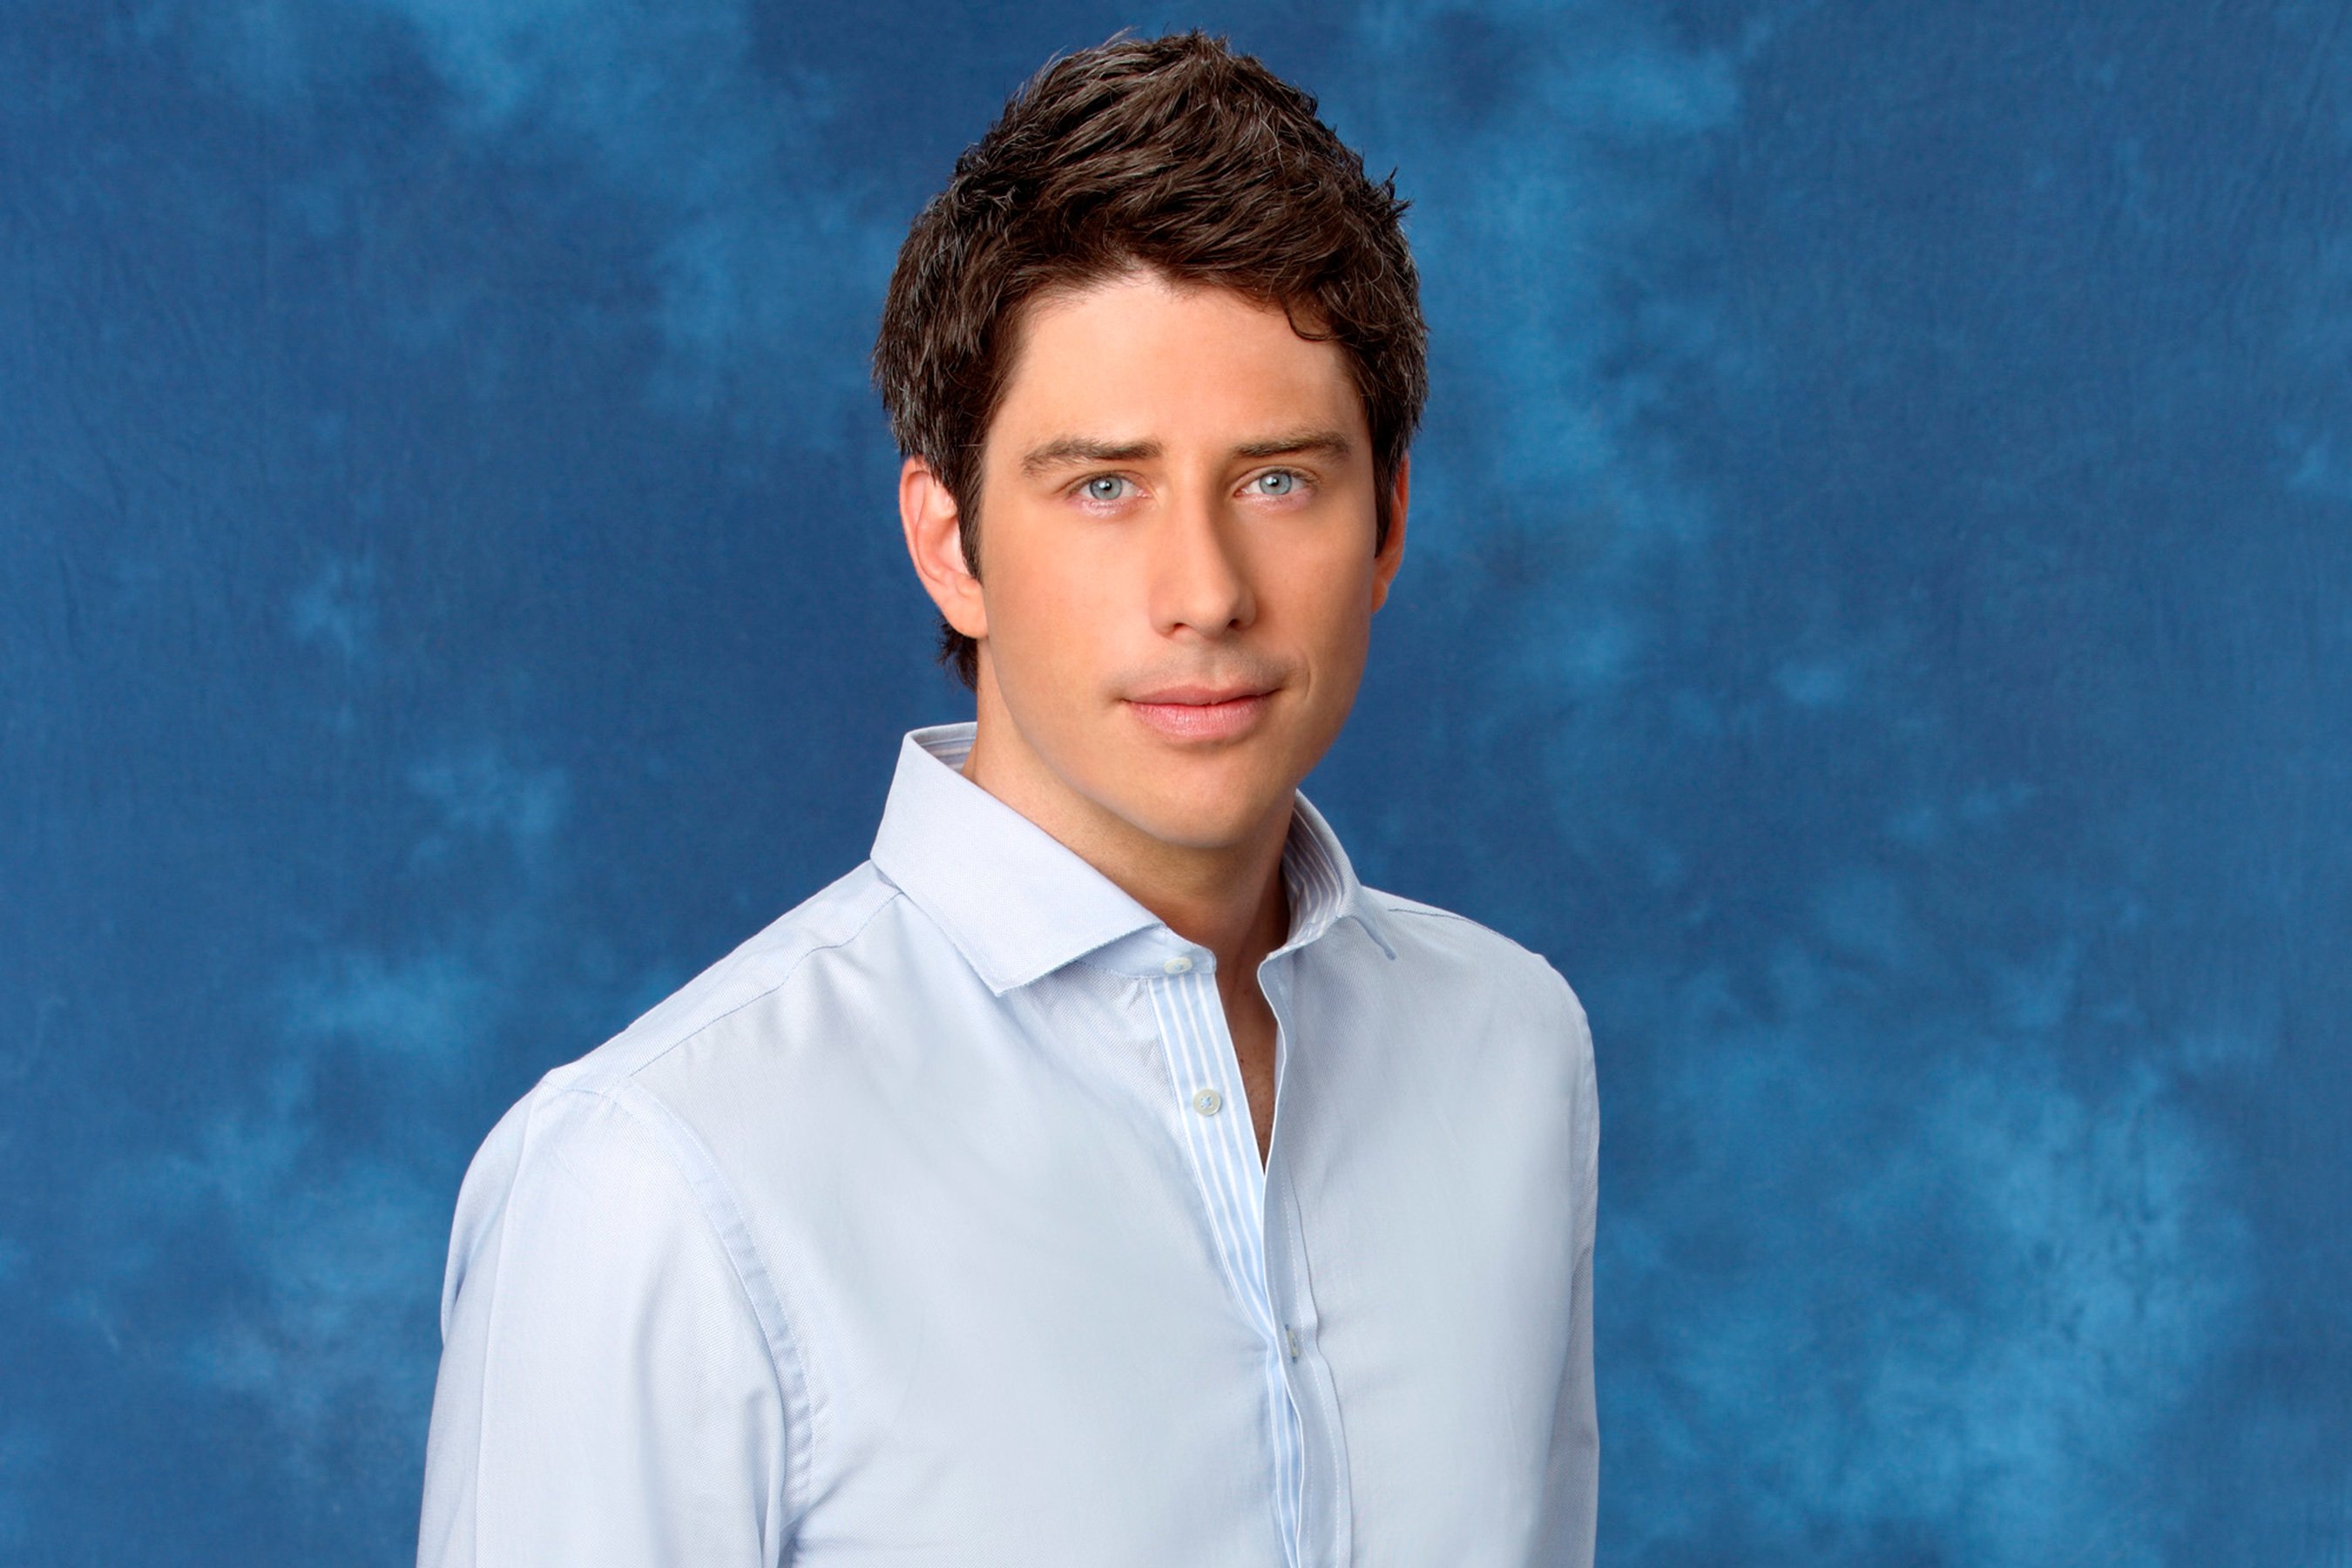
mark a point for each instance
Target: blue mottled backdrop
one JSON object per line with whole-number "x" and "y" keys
{"x": 1879, "y": 617}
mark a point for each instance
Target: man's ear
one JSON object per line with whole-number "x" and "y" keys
{"x": 1391, "y": 551}
{"x": 935, "y": 543}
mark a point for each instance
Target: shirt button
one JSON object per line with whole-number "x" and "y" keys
{"x": 1292, "y": 1335}
{"x": 1176, "y": 965}
{"x": 1208, "y": 1102}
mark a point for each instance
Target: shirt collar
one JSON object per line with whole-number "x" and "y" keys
{"x": 1019, "y": 904}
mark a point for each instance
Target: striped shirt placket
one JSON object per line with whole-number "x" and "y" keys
{"x": 1231, "y": 1183}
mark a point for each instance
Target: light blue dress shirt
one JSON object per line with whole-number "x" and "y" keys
{"x": 927, "y": 1228}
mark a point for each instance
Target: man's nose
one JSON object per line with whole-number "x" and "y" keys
{"x": 1200, "y": 576}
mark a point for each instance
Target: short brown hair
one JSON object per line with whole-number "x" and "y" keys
{"x": 1171, "y": 153}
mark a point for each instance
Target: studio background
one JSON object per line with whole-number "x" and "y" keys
{"x": 1878, "y": 617}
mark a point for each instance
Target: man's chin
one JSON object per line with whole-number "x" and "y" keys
{"x": 1205, "y": 820}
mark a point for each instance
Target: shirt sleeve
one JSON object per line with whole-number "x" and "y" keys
{"x": 1572, "y": 1489}
{"x": 607, "y": 1394}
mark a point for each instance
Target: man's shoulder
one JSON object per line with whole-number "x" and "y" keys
{"x": 1442, "y": 949}
{"x": 774, "y": 959}
{"x": 1468, "y": 981}
{"x": 592, "y": 1137}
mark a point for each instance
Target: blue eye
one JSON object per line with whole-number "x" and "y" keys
{"x": 1281, "y": 482}
{"x": 1104, "y": 487}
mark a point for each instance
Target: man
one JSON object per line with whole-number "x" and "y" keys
{"x": 1099, "y": 1174}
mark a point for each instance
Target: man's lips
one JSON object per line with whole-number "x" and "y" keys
{"x": 1197, "y": 696}
{"x": 1201, "y": 712}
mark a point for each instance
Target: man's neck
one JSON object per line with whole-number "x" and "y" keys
{"x": 1230, "y": 898}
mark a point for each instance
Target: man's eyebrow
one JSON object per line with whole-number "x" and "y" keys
{"x": 1298, "y": 443}
{"x": 1069, "y": 450}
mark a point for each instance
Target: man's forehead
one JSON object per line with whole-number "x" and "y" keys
{"x": 1137, "y": 367}
{"x": 1138, "y": 322}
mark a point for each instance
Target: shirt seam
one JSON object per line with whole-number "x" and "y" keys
{"x": 1427, "y": 912}
{"x": 492, "y": 1320}
{"x": 715, "y": 1200}
{"x": 633, "y": 1069}
{"x": 787, "y": 1359}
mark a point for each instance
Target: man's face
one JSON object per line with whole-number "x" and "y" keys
{"x": 1177, "y": 567}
